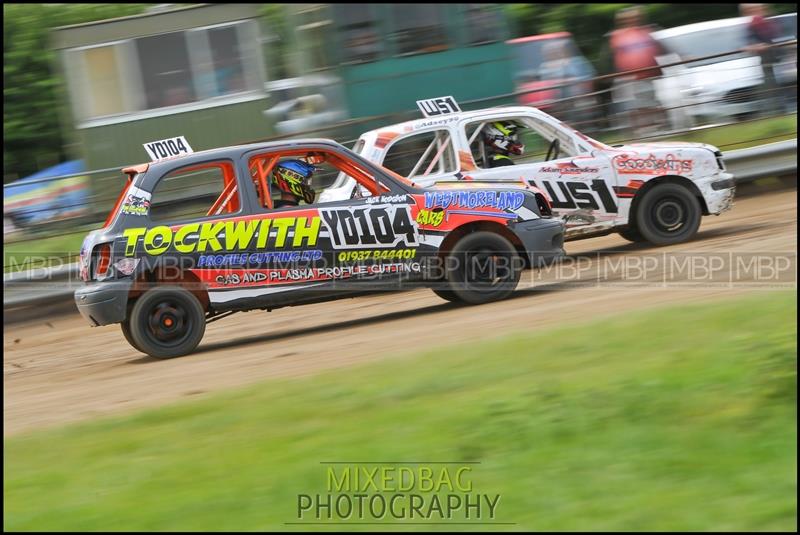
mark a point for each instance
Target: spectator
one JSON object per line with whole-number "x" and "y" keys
{"x": 633, "y": 48}
{"x": 761, "y": 33}
{"x": 561, "y": 66}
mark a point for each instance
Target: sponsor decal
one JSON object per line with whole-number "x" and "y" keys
{"x": 435, "y": 122}
{"x": 479, "y": 213}
{"x": 377, "y": 226}
{"x": 382, "y": 199}
{"x": 576, "y": 194}
{"x": 236, "y": 279}
{"x": 167, "y": 148}
{"x": 569, "y": 169}
{"x": 651, "y": 165}
{"x": 341, "y": 272}
{"x": 137, "y": 202}
{"x": 126, "y": 265}
{"x": 263, "y": 277}
{"x": 431, "y": 218}
{"x": 241, "y": 259}
{"x": 384, "y": 138}
{"x": 503, "y": 200}
{"x": 629, "y": 190}
{"x": 377, "y": 254}
{"x": 438, "y": 106}
{"x": 214, "y": 236}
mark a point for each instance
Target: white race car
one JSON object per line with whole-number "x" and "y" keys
{"x": 655, "y": 192}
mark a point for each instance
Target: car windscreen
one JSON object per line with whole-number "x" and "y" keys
{"x": 787, "y": 26}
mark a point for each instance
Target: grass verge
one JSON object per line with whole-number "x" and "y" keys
{"x": 737, "y": 136}
{"x": 677, "y": 419}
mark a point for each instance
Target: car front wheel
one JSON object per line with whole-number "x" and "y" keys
{"x": 668, "y": 214}
{"x": 631, "y": 234}
{"x": 167, "y": 322}
{"x": 482, "y": 267}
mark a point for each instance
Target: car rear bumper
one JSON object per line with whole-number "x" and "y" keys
{"x": 103, "y": 303}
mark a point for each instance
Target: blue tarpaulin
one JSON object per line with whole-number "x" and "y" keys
{"x": 33, "y": 200}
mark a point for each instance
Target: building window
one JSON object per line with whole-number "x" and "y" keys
{"x": 227, "y": 60}
{"x": 102, "y": 72}
{"x": 164, "y": 70}
{"x": 418, "y": 28}
{"x": 166, "y": 74}
{"x": 483, "y": 24}
{"x": 359, "y": 33}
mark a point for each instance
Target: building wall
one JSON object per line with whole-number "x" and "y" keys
{"x": 121, "y": 144}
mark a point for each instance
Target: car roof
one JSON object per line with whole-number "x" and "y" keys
{"x": 235, "y": 151}
{"x": 409, "y": 126}
{"x": 699, "y": 27}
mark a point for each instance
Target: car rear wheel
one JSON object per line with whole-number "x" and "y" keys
{"x": 667, "y": 214}
{"x": 482, "y": 267}
{"x": 167, "y": 322}
{"x": 447, "y": 295}
{"x": 126, "y": 332}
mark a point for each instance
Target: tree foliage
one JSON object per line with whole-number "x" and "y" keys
{"x": 33, "y": 92}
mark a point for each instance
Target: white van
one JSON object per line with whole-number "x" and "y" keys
{"x": 714, "y": 89}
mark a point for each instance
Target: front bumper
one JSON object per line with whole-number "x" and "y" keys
{"x": 719, "y": 192}
{"x": 543, "y": 240}
{"x": 103, "y": 303}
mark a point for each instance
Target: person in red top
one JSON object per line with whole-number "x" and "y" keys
{"x": 761, "y": 33}
{"x": 633, "y": 49}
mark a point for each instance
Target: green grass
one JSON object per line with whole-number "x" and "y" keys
{"x": 676, "y": 419}
{"x": 743, "y": 135}
{"x": 42, "y": 252}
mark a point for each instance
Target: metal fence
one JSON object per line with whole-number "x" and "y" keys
{"x": 598, "y": 117}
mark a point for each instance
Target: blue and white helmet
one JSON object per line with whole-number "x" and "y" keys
{"x": 294, "y": 177}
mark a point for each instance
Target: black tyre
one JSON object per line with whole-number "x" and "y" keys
{"x": 167, "y": 322}
{"x": 482, "y": 267}
{"x": 631, "y": 234}
{"x": 667, "y": 214}
{"x": 126, "y": 332}
{"x": 447, "y": 295}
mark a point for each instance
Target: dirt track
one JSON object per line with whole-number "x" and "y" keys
{"x": 60, "y": 370}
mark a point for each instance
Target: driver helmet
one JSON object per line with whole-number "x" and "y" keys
{"x": 502, "y": 137}
{"x": 294, "y": 177}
